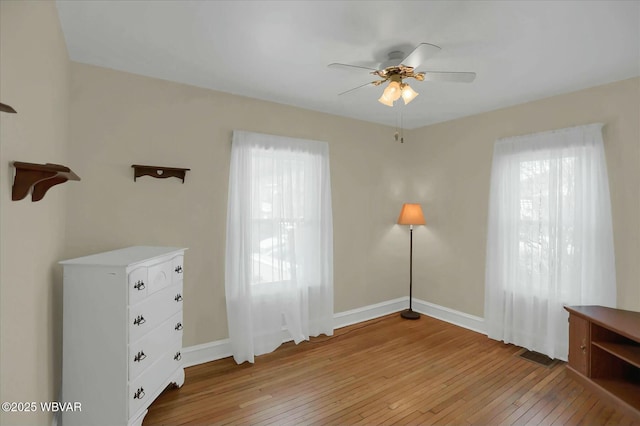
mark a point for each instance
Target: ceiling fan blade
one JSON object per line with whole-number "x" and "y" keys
{"x": 356, "y": 88}
{"x": 348, "y": 67}
{"x": 420, "y": 54}
{"x": 456, "y": 77}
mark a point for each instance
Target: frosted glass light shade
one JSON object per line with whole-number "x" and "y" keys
{"x": 391, "y": 93}
{"x": 408, "y": 94}
{"x": 394, "y": 90}
{"x": 384, "y": 100}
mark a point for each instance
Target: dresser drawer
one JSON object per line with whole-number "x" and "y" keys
{"x": 146, "y": 385}
{"x": 177, "y": 268}
{"x": 154, "y": 310}
{"x": 138, "y": 284}
{"x": 159, "y": 276}
{"x": 146, "y": 351}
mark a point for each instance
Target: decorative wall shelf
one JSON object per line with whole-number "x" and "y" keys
{"x": 7, "y": 108}
{"x": 159, "y": 172}
{"x": 38, "y": 178}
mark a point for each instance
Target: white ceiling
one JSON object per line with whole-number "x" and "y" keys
{"x": 279, "y": 50}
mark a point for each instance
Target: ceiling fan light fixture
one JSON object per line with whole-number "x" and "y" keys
{"x": 400, "y": 67}
{"x": 408, "y": 94}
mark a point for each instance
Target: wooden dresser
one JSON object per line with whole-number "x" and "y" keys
{"x": 604, "y": 353}
{"x": 122, "y": 333}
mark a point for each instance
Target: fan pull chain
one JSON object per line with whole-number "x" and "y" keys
{"x": 399, "y": 134}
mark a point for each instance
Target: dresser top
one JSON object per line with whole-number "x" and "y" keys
{"x": 123, "y": 257}
{"x": 623, "y": 322}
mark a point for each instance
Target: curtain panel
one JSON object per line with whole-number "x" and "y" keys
{"x": 550, "y": 238}
{"x": 279, "y": 248}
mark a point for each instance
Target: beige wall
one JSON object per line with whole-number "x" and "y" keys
{"x": 451, "y": 164}
{"x": 34, "y": 75}
{"x": 120, "y": 119}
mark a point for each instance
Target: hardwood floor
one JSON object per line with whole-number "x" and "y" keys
{"x": 384, "y": 372}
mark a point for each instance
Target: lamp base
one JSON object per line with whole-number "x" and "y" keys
{"x": 409, "y": 314}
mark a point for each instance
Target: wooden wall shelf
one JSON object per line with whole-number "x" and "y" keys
{"x": 7, "y": 108}
{"x": 159, "y": 172}
{"x": 38, "y": 178}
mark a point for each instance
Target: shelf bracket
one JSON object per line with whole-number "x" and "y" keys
{"x": 159, "y": 172}
{"x": 38, "y": 178}
{"x": 7, "y": 108}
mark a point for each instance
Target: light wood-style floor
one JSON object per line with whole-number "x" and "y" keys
{"x": 383, "y": 372}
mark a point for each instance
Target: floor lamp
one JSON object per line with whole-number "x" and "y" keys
{"x": 411, "y": 214}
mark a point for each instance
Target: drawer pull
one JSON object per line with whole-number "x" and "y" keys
{"x": 178, "y": 326}
{"x": 139, "y": 394}
{"x": 178, "y": 356}
{"x": 139, "y": 285}
{"x": 139, "y": 320}
{"x": 139, "y": 357}
{"x": 178, "y": 269}
{"x": 178, "y": 297}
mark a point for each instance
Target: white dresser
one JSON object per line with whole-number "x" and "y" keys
{"x": 122, "y": 333}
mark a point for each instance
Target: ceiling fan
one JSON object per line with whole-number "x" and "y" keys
{"x": 399, "y": 67}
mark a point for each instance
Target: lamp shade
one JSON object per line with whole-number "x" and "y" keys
{"x": 411, "y": 214}
{"x": 408, "y": 94}
{"x": 393, "y": 91}
{"x": 385, "y": 100}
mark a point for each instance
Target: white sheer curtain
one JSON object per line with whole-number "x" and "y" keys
{"x": 279, "y": 253}
{"x": 550, "y": 240}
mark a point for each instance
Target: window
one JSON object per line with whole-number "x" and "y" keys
{"x": 545, "y": 185}
{"x": 549, "y": 239}
{"x": 277, "y": 216}
{"x": 279, "y": 259}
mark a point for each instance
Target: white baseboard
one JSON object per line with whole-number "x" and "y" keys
{"x": 366, "y": 313}
{"x": 461, "y": 319}
{"x": 206, "y": 352}
{"x": 212, "y": 351}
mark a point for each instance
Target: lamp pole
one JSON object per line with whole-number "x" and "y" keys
{"x": 410, "y": 313}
